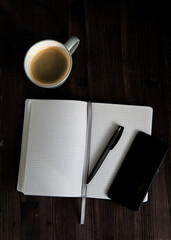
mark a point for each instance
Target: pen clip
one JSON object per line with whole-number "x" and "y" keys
{"x": 116, "y": 136}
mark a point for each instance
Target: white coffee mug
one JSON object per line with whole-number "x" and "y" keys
{"x": 66, "y": 50}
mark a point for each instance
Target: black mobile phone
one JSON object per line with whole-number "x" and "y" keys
{"x": 138, "y": 170}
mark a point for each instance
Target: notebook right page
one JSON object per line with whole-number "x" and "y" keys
{"x": 105, "y": 120}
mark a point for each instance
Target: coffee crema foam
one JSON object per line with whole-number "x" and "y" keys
{"x": 49, "y": 66}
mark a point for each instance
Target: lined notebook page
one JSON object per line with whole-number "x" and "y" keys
{"x": 106, "y": 118}
{"x": 55, "y": 148}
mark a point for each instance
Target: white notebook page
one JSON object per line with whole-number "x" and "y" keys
{"x": 55, "y": 148}
{"x": 106, "y": 118}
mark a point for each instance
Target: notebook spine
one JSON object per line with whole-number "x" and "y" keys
{"x": 86, "y": 161}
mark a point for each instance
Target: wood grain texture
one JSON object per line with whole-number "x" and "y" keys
{"x": 124, "y": 57}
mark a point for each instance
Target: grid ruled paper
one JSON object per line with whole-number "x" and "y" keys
{"x": 55, "y": 148}
{"x": 54, "y": 139}
{"x": 106, "y": 118}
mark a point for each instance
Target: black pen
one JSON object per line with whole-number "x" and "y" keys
{"x": 113, "y": 141}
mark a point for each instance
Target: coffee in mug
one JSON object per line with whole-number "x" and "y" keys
{"x": 48, "y": 63}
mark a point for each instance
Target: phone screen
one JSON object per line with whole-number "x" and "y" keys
{"x": 138, "y": 170}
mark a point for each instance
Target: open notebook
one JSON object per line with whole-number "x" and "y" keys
{"x": 54, "y": 145}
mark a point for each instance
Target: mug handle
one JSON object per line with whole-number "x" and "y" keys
{"x": 72, "y": 44}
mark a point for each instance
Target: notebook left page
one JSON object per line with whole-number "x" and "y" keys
{"x": 53, "y": 148}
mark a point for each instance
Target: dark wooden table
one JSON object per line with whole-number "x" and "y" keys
{"x": 124, "y": 57}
